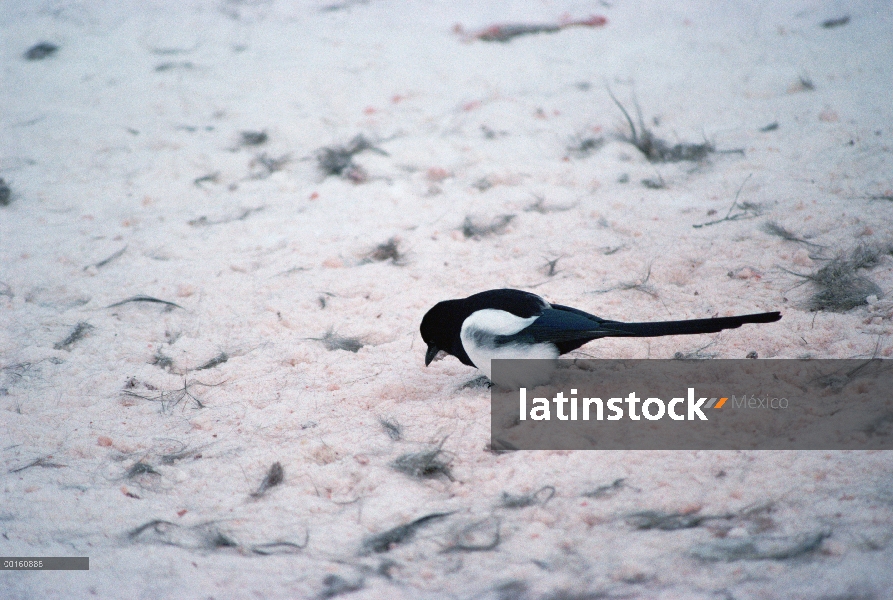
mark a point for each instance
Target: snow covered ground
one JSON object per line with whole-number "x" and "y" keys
{"x": 173, "y": 151}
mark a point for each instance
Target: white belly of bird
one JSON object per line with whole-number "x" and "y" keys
{"x": 480, "y": 329}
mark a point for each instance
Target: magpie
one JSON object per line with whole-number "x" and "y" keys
{"x": 509, "y": 323}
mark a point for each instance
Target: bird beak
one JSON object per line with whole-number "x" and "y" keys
{"x": 431, "y": 354}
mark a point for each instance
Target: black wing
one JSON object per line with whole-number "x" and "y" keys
{"x": 560, "y": 324}
{"x": 519, "y": 303}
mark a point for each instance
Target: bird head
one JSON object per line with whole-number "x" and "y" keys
{"x": 440, "y": 330}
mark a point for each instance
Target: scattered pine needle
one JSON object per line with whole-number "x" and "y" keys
{"x": 142, "y": 298}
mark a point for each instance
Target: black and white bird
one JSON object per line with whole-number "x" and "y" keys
{"x": 510, "y": 323}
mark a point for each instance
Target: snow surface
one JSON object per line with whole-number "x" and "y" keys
{"x": 129, "y": 137}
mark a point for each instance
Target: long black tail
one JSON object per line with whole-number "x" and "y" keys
{"x": 692, "y": 326}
